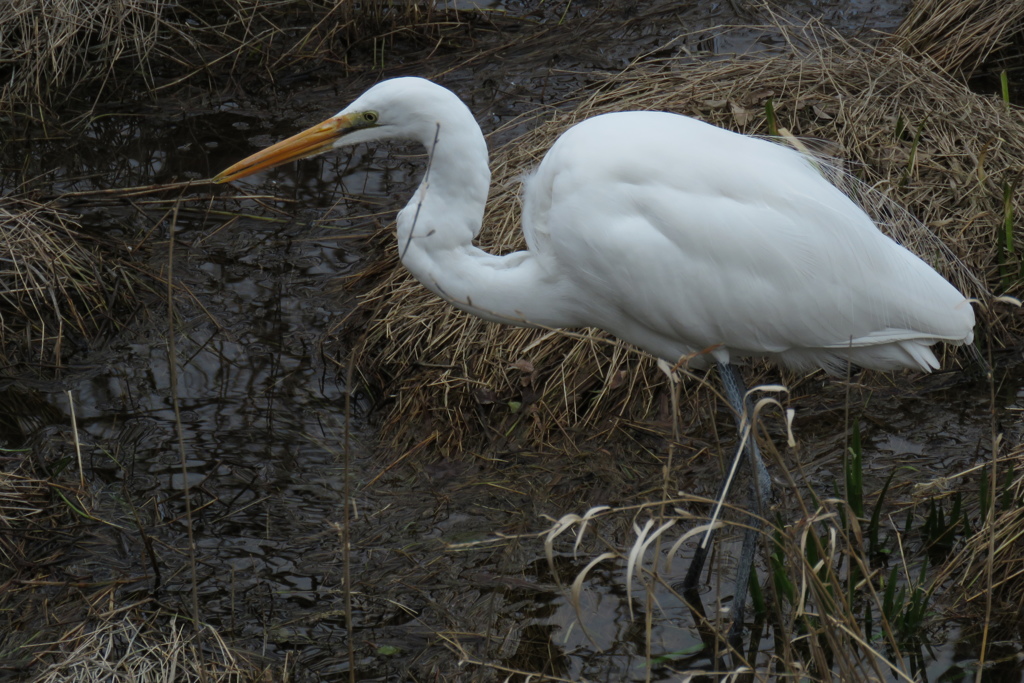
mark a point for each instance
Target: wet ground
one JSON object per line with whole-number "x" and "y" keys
{"x": 448, "y": 562}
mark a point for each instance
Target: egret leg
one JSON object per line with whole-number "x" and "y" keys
{"x": 760, "y": 490}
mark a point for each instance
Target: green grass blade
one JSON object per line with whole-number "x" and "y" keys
{"x": 769, "y": 113}
{"x": 876, "y": 518}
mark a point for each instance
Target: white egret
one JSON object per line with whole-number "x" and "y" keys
{"x": 672, "y": 234}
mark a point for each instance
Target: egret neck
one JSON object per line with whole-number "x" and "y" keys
{"x": 437, "y": 227}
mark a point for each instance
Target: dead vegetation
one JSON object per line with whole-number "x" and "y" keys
{"x": 65, "y": 617}
{"x": 959, "y": 37}
{"x": 70, "y": 55}
{"x": 952, "y": 156}
{"x": 836, "y": 649}
{"x": 28, "y": 515}
{"x": 53, "y": 53}
{"x": 989, "y": 570}
{"x": 136, "y": 648}
{"x": 50, "y": 50}
{"x": 54, "y": 283}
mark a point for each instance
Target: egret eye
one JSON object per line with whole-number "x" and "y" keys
{"x": 370, "y": 117}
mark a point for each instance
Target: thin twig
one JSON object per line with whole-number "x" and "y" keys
{"x": 172, "y": 364}
{"x": 78, "y": 443}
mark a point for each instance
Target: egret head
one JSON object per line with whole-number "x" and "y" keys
{"x": 400, "y": 108}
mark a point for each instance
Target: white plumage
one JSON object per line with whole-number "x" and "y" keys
{"x": 680, "y": 236}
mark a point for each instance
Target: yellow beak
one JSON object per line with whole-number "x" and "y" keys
{"x": 310, "y": 142}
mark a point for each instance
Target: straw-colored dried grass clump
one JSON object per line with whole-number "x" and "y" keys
{"x": 997, "y": 547}
{"x": 50, "y": 49}
{"x": 129, "y": 648}
{"x": 915, "y": 135}
{"x": 52, "y": 281}
{"x": 960, "y": 35}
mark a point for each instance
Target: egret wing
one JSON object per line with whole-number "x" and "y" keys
{"x": 681, "y": 236}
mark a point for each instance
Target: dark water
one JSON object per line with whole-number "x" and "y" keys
{"x": 447, "y": 560}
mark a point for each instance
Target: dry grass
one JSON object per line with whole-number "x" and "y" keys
{"x": 62, "y": 621}
{"x": 54, "y": 282}
{"x": 998, "y": 545}
{"x": 37, "y": 532}
{"x": 133, "y": 648}
{"x": 914, "y": 135}
{"x": 28, "y": 515}
{"x": 50, "y": 48}
{"x": 917, "y": 136}
{"x": 960, "y": 36}
{"x": 815, "y": 618}
{"x": 54, "y": 52}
